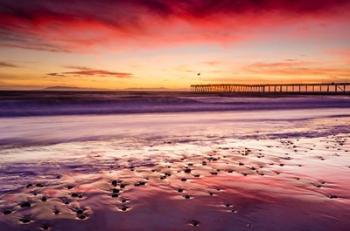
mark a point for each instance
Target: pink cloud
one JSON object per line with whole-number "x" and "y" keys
{"x": 342, "y": 54}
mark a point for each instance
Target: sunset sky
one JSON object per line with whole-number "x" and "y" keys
{"x": 163, "y": 43}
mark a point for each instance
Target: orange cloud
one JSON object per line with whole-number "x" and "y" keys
{"x": 297, "y": 68}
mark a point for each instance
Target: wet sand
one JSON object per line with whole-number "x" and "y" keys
{"x": 222, "y": 171}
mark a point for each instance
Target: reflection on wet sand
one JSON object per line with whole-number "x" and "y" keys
{"x": 208, "y": 183}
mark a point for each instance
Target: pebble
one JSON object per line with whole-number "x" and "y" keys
{"x": 194, "y": 223}
{"x": 25, "y": 204}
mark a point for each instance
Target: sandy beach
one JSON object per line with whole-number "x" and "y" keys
{"x": 214, "y": 171}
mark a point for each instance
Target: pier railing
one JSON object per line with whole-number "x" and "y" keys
{"x": 292, "y": 88}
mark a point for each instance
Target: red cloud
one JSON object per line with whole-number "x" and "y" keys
{"x": 70, "y": 25}
{"x": 86, "y": 71}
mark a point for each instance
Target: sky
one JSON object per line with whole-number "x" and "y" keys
{"x": 121, "y": 44}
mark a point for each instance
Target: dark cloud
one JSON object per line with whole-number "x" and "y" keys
{"x": 10, "y": 65}
{"x": 55, "y": 74}
{"x": 115, "y": 12}
{"x": 86, "y": 71}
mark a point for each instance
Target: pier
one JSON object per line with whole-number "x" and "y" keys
{"x": 291, "y": 88}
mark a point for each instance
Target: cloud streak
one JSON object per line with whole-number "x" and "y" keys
{"x": 297, "y": 68}
{"x": 86, "y": 71}
{"x": 7, "y": 65}
{"x": 73, "y": 25}
{"x": 54, "y": 74}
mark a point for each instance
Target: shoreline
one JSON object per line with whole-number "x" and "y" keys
{"x": 54, "y": 129}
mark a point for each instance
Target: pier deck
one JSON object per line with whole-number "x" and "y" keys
{"x": 292, "y": 88}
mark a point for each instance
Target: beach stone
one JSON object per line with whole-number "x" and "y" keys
{"x": 56, "y": 211}
{"x": 45, "y": 227}
{"x": 66, "y": 200}
{"x": 77, "y": 195}
{"x": 115, "y": 194}
{"x": 25, "y": 204}
{"x": 124, "y": 208}
{"x": 116, "y": 182}
{"x": 168, "y": 174}
{"x": 7, "y": 211}
{"x": 29, "y": 185}
{"x": 25, "y": 219}
{"x": 180, "y": 190}
{"x": 140, "y": 183}
{"x": 79, "y": 211}
{"x": 81, "y": 216}
{"x": 194, "y": 223}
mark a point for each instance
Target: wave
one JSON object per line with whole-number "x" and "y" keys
{"x": 37, "y": 103}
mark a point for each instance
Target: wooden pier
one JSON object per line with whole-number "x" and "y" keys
{"x": 291, "y": 88}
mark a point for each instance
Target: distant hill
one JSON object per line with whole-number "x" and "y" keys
{"x": 64, "y": 88}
